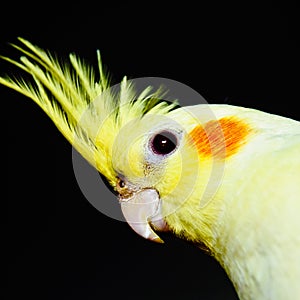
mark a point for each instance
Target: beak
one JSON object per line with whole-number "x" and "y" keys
{"x": 141, "y": 210}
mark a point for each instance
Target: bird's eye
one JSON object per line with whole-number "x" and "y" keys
{"x": 164, "y": 143}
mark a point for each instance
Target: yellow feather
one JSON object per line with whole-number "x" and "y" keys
{"x": 87, "y": 112}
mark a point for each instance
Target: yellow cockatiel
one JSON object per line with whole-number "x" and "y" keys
{"x": 222, "y": 176}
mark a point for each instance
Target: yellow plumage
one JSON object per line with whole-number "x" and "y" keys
{"x": 78, "y": 104}
{"x": 230, "y": 179}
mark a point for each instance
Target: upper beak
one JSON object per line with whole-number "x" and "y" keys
{"x": 141, "y": 210}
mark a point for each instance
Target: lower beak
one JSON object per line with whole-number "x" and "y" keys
{"x": 142, "y": 210}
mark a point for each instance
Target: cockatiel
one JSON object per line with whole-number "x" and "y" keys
{"x": 223, "y": 177}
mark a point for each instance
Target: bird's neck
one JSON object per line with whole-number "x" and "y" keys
{"x": 245, "y": 228}
{"x": 219, "y": 222}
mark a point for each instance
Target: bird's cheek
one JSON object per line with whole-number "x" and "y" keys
{"x": 141, "y": 210}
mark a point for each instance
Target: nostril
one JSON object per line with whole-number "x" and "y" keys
{"x": 121, "y": 183}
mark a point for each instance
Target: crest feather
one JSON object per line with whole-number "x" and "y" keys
{"x": 79, "y": 105}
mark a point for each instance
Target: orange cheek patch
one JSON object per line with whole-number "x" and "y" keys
{"x": 220, "y": 138}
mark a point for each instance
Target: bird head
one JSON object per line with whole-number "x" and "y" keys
{"x": 140, "y": 149}
{"x": 147, "y": 161}
{"x": 152, "y": 161}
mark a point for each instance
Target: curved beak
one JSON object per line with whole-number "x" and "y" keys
{"x": 142, "y": 210}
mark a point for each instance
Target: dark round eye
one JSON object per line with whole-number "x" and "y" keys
{"x": 164, "y": 143}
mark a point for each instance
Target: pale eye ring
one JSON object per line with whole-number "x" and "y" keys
{"x": 164, "y": 142}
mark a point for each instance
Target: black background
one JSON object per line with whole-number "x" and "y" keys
{"x": 59, "y": 246}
